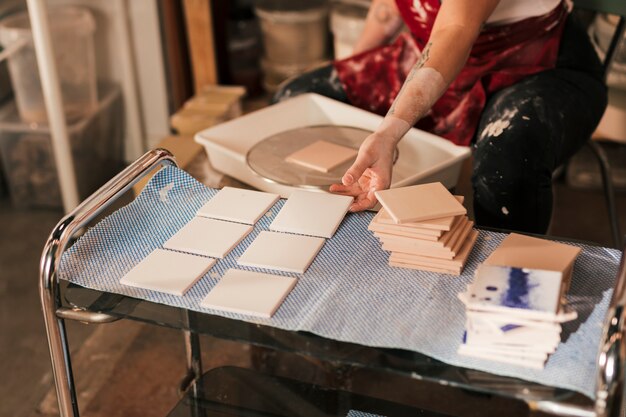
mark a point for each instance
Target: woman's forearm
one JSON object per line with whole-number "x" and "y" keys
{"x": 382, "y": 23}
{"x": 456, "y": 28}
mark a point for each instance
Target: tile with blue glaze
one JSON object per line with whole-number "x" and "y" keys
{"x": 516, "y": 290}
{"x": 481, "y": 333}
{"x": 531, "y": 252}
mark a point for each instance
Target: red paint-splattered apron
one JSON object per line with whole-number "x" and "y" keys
{"x": 501, "y": 56}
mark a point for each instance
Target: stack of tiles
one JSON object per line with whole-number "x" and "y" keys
{"x": 424, "y": 227}
{"x": 515, "y": 311}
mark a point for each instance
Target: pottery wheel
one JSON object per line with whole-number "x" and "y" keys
{"x": 267, "y": 158}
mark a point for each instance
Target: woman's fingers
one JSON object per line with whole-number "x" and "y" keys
{"x": 363, "y": 202}
{"x": 352, "y": 190}
{"x": 357, "y": 169}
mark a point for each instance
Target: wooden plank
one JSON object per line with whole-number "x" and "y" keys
{"x": 199, "y": 21}
{"x": 177, "y": 59}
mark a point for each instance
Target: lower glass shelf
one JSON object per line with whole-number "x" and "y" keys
{"x": 231, "y": 391}
{"x": 410, "y": 365}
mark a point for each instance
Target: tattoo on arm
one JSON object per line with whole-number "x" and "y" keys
{"x": 419, "y": 64}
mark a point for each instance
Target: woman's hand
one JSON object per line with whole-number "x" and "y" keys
{"x": 370, "y": 172}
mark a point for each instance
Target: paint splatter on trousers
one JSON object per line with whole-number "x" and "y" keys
{"x": 529, "y": 129}
{"x": 526, "y": 131}
{"x": 323, "y": 81}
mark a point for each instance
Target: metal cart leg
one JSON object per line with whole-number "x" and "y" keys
{"x": 609, "y": 191}
{"x": 612, "y": 358}
{"x": 193, "y": 356}
{"x": 53, "y": 312}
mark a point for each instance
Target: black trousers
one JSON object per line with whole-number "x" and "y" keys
{"x": 526, "y": 131}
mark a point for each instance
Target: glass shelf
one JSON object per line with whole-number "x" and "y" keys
{"x": 400, "y": 363}
{"x": 230, "y": 391}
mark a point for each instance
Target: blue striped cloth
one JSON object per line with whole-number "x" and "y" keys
{"x": 349, "y": 293}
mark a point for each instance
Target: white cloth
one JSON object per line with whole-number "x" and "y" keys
{"x": 508, "y": 11}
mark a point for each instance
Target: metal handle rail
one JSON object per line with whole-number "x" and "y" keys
{"x": 611, "y": 360}
{"x": 53, "y": 312}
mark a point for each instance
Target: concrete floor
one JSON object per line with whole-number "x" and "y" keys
{"x": 118, "y": 365}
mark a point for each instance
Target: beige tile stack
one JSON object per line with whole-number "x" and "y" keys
{"x": 424, "y": 227}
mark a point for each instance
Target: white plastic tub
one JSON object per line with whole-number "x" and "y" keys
{"x": 423, "y": 157}
{"x": 347, "y": 21}
{"x": 72, "y": 32}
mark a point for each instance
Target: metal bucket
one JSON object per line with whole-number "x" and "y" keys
{"x": 294, "y": 37}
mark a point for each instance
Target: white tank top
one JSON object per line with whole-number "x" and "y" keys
{"x": 508, "y": 11}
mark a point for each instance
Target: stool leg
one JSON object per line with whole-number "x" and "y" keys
{"x": 609, "y": 191}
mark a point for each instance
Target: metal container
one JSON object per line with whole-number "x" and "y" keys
{"x": 294, "y": 36}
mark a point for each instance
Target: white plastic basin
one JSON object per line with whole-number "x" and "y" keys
{"x": 423, "y": 157}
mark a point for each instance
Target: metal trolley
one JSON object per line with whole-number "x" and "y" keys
{"x": 610, "y": 377}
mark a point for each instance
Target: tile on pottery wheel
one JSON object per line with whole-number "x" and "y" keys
{"x": 312, "y": 213}
{"x": 208, "y": 237}
{"x": 169, "y": 272}
{"x": 282, "y": 252}
{"x": 249, "y": 292}
{"x": 238, "y": 205}
{"x": 322, "y": 156}
{"x": 419, "y": 202}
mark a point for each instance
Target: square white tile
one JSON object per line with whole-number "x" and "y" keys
{"x": 282, "y": 252}
{"x": 169, "y": 272}
{"x": 312, "y": 213}
{"x": 419, "y": 203}
{"x": 322, "y": 156}
{"x": 249, "y": 292}
{"x": 208, "y": 237}
{"x": 238, "y": 205}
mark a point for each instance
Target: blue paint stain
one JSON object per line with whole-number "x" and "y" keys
{"x": 516, "y": 295}
{"x": 491, "y": 288}
{"x": 508, "y": 327}
{"x": 464, "y": 337}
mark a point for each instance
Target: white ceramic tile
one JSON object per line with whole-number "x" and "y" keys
{"x": 322, "y": 156}
{"x": 509, "y": 359}
{"x": 419, "y": 203}
{"x": 248, "y": 292}
{"x": 484, "y": 334}
{"x": 282, "y": 252}
{"x": 208, "y": 237}
{"x": 312, "y": 213}
{"x": 168, "y": 272}
{"x": 238, "y": 205}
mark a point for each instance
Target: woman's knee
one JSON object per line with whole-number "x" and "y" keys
{"x": 512, "y": 173}
{"x": 322, "y": 80}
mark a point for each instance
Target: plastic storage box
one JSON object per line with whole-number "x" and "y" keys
{"x": 28, "y": 161}
{"x": 72, "y": 33}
